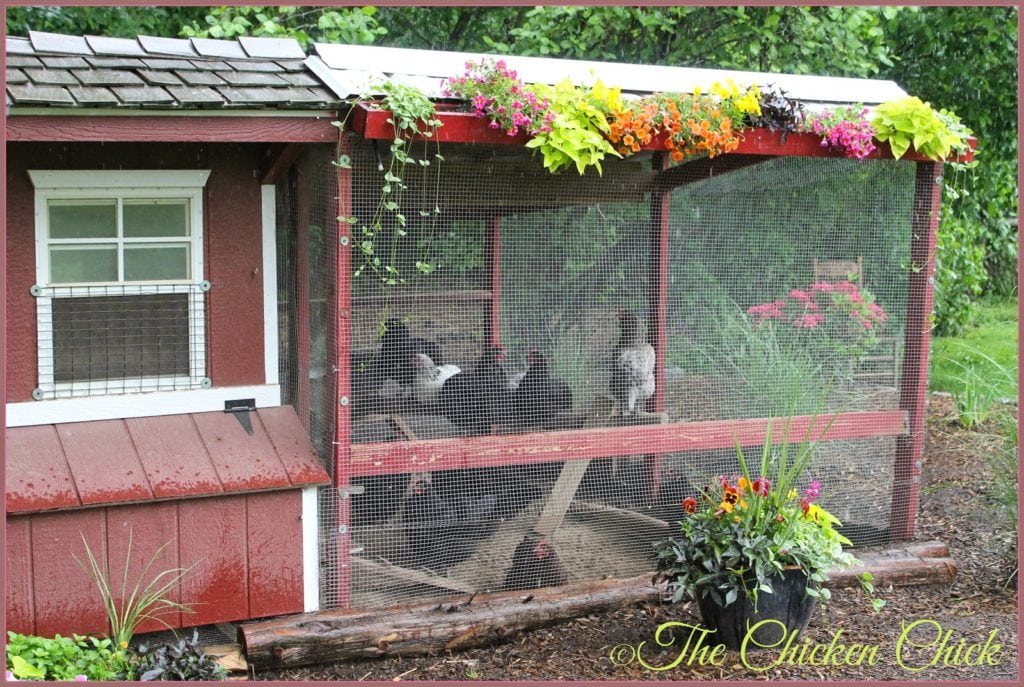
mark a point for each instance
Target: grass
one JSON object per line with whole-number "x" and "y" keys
{"x": 987, "y": 351}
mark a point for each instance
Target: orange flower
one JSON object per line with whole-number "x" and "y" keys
{"x": 677, "y": 156}
{"x": 690, "y": 504}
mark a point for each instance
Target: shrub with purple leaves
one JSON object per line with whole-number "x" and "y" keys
{"x": 495, "y": 91}
{"x": 846, "y": 129}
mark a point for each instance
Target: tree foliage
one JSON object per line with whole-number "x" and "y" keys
{"x": 356, "y": 25}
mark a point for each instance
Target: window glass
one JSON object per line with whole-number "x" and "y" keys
{"x": 83, "y": 219}
{"x": 83, "y": 263}
{"x": 156, "y": 261}
{"x": 155, "y": 218}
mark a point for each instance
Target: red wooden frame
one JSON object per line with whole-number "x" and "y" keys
{"x": 343, "y": 349}
{"x": 914, "y": 381}
{"x": 658, "y": 294}
{"x": 467, "y": 127}
{"x": 172, "y": 128}
{"x": 384, "y": 458}
{"x": 492, "y": 266}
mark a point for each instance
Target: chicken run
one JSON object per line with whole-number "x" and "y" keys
{"x": 584, "y": 352}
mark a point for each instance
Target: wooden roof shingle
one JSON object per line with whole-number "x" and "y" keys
{"x": 50, "y": 69}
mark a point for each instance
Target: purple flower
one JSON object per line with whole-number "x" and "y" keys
{"x": 813, "y": 491}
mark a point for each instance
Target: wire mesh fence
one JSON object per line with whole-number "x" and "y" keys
{"x": 560, "y": 360}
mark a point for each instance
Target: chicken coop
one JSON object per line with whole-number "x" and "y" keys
{"x": 341, "y": 374}
{"x": 519, "y": 380}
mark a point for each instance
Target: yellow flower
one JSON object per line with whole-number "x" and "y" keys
{"x": 697, "y": 90}
{"x": 123, "y": 644}
{"x": 726, "y": 506}
{"x": 743, "y": 484}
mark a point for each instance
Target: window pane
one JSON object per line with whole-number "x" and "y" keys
{"x": 120, "y": 337}
{"x": 75, "y": 264}
{"x": 155, "y": 218}
{"x": 156, "y": 261}
{"x": 83, "y": 219}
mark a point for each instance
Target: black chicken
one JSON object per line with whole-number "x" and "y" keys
{"x": 540, "y": 398}
{"x": 445, "y": 517}
{"x": 475, "y": 400}
{"x": 385, "y": 382}
{"x": 534, "y": 565}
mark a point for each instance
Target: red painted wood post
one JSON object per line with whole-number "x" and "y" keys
{"x": 343, "y": 365}
{"x": 914, "y": 381}
{"x": 302, "y": 400}
{"x": 492, "y": 266}
{"x": 658, "y": 295}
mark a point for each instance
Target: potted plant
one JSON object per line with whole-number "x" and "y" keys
{"x": 756, "y": 546}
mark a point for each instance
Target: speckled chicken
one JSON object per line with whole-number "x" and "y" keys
{"x": 632, "y": 378}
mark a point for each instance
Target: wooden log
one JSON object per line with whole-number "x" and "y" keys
{"x": 332, "y": 636}
{"x": 342, "y": 635}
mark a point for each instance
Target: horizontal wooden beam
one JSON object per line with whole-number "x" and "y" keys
{"x": 383, "y": 458}
{"x": 467, "y": 127}
{"x": 462, "y": 296}
{"x": 178, "y": 129}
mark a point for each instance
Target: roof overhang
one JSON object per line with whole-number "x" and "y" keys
{"x": 110, "y": 126}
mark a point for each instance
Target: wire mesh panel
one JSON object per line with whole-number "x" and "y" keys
{"x": 544, "y": 366}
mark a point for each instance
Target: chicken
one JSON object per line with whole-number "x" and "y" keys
{"x": 540, "y": 398}
{"x": 430, "y": 378}
{"x": 445, "y": 518}
{"x": 385, "y": 383}
{"x": 632, "y": 378}
{"x": 475, "y": 400}
{"x": 534, "y": 565}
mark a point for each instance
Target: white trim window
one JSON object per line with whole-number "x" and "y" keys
{"x": 120, "y": 295}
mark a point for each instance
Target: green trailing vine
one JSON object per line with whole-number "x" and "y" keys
{"x": 377, "y": 237}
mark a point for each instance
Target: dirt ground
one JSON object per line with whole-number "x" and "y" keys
{"x": 979, "y": 608}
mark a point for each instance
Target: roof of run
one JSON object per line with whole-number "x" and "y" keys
{"x": 344, "y": 69}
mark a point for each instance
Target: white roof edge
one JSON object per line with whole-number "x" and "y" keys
{"x": 629, "y": 77}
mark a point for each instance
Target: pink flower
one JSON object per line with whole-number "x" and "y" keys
{"x": 800, "y": 295}
{"x": 813, "y": 491}
{"x": 809, "y": 320}
{"x": 877, "y": 311}
{"x": 822, "y": 286}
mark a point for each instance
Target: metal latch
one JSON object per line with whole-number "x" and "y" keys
{"x": 240, "y": 408}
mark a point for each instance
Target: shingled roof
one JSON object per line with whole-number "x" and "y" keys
{"x": 55, "y": 70}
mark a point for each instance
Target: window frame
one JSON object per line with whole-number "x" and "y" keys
{"x": 119, "y": 186}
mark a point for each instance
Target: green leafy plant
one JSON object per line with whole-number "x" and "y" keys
{"x": 912, "y": 122}
{"x": 578, "y": 132}
{"x": 179, "y": 660}
{"x": 129, "y": 606}
{"x": 739, "y": 534}
{"x": 64, "y": 658}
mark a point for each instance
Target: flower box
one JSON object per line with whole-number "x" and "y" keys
{"x": 466, "y": 127}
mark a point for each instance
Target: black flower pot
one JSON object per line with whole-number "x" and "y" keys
{"x": 789, "y": 604}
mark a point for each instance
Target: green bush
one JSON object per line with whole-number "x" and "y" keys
{"x": 960, "y": 275}
{"x": 64, "y": 658}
